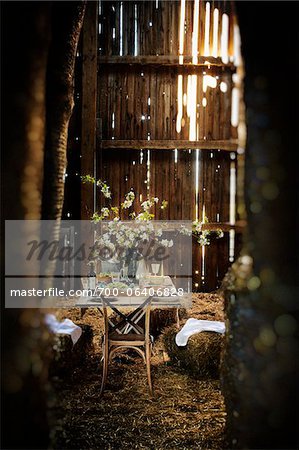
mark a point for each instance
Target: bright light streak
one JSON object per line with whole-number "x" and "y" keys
{"x": 215, "y": 32}
{"x": 237, "y": 46}
{"x": 135, "y": 31}
{"x": 203, "y": 255}
{"x": 224, "y": 38}
{"x": 196, "y": 183}
{"x": 203, "y": 212}
{"x": 191, "y": 106}
{"x": 189, "y": 90}
{"x": 180, "y": 104}
{"x": 193, "y": 127}
{"x": 182, "y": 31}
{"x": 121, "y": 29}
{"x": 231, "y": 245}
{"x": 207, "y": 30}
{"x": 235, "y": 107}
{"x": 148, "y": 173}
{"x": 232, "y": 190}
{"x": 195, "y": 32}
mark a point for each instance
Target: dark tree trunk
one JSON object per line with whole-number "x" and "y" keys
{"x": 26, "y": 35}
{"x": 259, "y": 367}
{"x": 67, "y": 19}
{"x": 25, "y": 41}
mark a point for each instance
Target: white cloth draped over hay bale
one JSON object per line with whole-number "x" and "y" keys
{"x": 65, "y": 327}
{"x": 194, "y": 326}
{"x": 71, "y": 345}
{"x": 201, "y": 356}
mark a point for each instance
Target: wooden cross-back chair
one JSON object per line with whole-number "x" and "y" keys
{"x": 128, "y": 333}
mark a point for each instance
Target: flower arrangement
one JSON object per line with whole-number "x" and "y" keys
{"x": 118, "y": 237}
{"x": 128, "y": 235}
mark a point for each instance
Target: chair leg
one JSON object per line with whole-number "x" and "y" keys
{"x": 105, "y": 367}
{"x": 177, "y": 318}
{"x": 148, "y": 366}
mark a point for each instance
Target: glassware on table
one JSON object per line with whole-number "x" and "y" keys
{"x": 84, "y": 282}
{"x": 124, "y": 273}
{"x": 155, "y": 268}
{"x": 115, "y": 276}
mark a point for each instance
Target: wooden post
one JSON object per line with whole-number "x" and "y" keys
{"x": 89, "y": 95}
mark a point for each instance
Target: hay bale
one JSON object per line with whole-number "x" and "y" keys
{"x": 66, "y": 356}
{"x": 165, "y": 317}
{"x": 200, "y": 357}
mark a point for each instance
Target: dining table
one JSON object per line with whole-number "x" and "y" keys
{"x": 129, "y": 326}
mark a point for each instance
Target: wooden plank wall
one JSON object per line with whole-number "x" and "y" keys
{"x": 141, "y": 103}
{"x": 73, "y": 185}
{"x": 138, "y": 100}
{"x": 151, "y": 27}
{"x": 175, "y": 182}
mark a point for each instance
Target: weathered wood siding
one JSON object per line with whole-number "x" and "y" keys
{"x": 151, "y": 84}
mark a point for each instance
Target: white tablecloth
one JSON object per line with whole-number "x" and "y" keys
{"x": 193, "y": 326}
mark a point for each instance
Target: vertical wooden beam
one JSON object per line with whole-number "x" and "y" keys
{"x": 89, "y": 95}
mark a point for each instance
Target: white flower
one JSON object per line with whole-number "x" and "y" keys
{"x": 121, "y": 240}
{"x": 105, "y": 191}
{"x": 185, "y": 231}
{"x": 167, "y": 243}
{"x": 145, "y": 206}
{"x": 105, "y": 212}
{"x": 204, "y": 238}
{"x": 156, "y": 199}
{"x": 131, "y": 236}
{"x": 106, "y": 237}
{"x": 127, "y": 204}
{"x": 197, "y": 226}
{"x": 130, "y": 196}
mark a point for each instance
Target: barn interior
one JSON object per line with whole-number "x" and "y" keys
{"x": 191, "y": 102}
